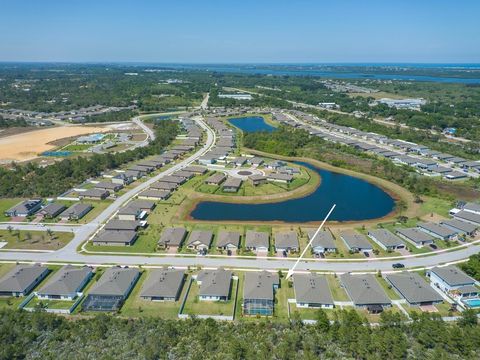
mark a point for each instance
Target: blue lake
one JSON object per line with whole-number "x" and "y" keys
{"x": 251, "y": 124}
{"x": 356, "y": 200}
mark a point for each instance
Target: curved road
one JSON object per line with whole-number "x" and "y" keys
{"x": 69, "y": 254}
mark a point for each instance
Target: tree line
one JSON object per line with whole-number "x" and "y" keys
{"x": 40, "y": 335}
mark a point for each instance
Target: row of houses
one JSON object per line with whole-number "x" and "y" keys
{"x": 311, "y": 290}
{"x": 50, "y": 210}
{"x": 225, "y": 143}
{"x": 426, "y": 161}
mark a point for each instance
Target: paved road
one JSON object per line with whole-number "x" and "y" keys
{"x": 69, "y": 253}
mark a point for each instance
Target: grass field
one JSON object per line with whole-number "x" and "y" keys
{"x": 6, "y": 204}
{"x": 194, "y": 306}
{"x": 37, "y": 240}
{"x": 50, "y": 304}
{"x": 136, "y": 306}
{"x": 338, "y": 292}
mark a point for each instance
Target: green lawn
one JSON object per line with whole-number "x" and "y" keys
{"x": 281, "y": 300}
{"x": 50, "y": 304}
{"x": 37, "y": 240}
{"x": 388, "y": 289}
{"x": 6, "y": 204}
{"x": 338, "y": 292}
{"x": 136, "y": 306}
{"x": 435, "y": 205}
{"x": 309, "y": 313}
{"x": 194, "y": 306}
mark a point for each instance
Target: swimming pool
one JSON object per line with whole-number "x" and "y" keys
{"x": 473, "y": 303}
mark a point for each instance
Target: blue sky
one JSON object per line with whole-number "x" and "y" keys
{"x": 240, "y": 31}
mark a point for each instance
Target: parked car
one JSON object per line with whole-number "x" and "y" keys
{"x": 366, "y": 253}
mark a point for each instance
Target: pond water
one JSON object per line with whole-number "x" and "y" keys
{"x": 356, "y": 200}
{"x": 251, "y": 124}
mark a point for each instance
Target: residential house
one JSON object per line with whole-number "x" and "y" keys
{"x": 460, "y": 227}
{"x": 259, "y": 293}
{"x": 415, "y": 236}
{"x": 257, "y": 179}
{"x": 109, "y": 186}
{"x": 386, "y": 239}
{"x": 115, "y": 238}
{"x": 468, "y": 216}
{"x": 323, "y": 242}
{"x": 286, "y": 241}
{"x": 280, "y": 178}
{"x": 449, "y": 279}
{"x": 131, "y": 213}
{"x": 355, "y": 241}
{"x": 172, "y": 237}
{"x": 231, "y": 184}
{"x": 413, "y": 288}
{"x": 256, "y": 241}
{"x": 437, "y": 231}
{"x": 312, "y": 291}
{"x": 215, "y": 285}
{"x": 22, "y": 279}
{"x": 174, "y": 179}
{"x": 365, "y": 292}
{"x": 25, "y": 208}
{"x": 163, "y": 285}
{"x": 165, "y": 186}
{"x": 154, "y": 195}
{"x": 122, "y": 225}
{"x": 200, "y": 240}
{"x": 111, "y": 290}
{"x": 76, "y": 211}
{"x": 94, "y": 194}
{"x": 66, "y": 284}
{"x": 215, "y": 179}
{"x": 52, "y": 210}
{"x": 228, "y": 240}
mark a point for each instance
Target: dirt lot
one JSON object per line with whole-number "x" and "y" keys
{"x": 26, "y": 146}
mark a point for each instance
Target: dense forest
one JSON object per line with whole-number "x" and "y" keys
{"x": 33, "y": 180}
{"x": 472, "y": 266}
{"x": 44, "y": 336}
{"x": 288, "y": 141}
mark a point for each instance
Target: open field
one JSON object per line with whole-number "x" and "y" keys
{"x": 34, "y": 240}
{"x": 28, "y": 145}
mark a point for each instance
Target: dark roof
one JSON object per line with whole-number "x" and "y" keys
{"x": 115, "y": 236}
{"x": 228, "y": 238}
{"x": 66, "y": 281}
{"x": 364, "y": 289}
{"x": 131, "y": 225}
{"x": 115, "y": 282}
{"x": 214, "y": 282}
{"x": 452, "y": 275}
{"x": 173, "y": 236}
{"x": 256, "y": 239}
{"x": 413, "y": 287}
{"x": 259, "y": 285}
{"x": 164, "y": 283}
{"x": 20, "y": 278}
{"x": 312, "y": 289}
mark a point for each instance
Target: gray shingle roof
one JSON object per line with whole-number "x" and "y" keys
{"x": 172, "y": 236}
{"x": 115, "y": 281}
{"x": 364, "y": 289}
{"x": 460, "y": 225}
{"x": 228, "y": 238}
{"x": 259, "y": 285}
{"x": 312, "y": 289}
{"x": 471, "y": 206}
{"x": 115, "y": 236}
{"x": 437, "y": 229}
{"x": 255, "y": 239}
{"x": 385, "y": 237}
{"x": 468, "y": 216}
{"x": 130, "y": 225}
{"x": 66, "y": 281}
{"x": 21, "y": 278}
{"x": 355, "y": 240}
{"x": 215, "y": 282}
{"x": 452, "y": 275}
{"x": 76, "y": 210}
{"x": 53, "y": 209}
{"x": 202, "y": 236}
{"x": 323, "y": 239}
{"x": 216, "y": 178}
{"x": 414, "y": 234}
{"x": 163, "y": 283}
{"x": 413, "y": 288}
{"x": 287, "y": 239}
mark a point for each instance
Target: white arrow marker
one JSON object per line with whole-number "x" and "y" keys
{"x": 290, "y": 272}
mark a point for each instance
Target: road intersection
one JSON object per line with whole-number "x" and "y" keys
{"x": 70, "y": 253}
